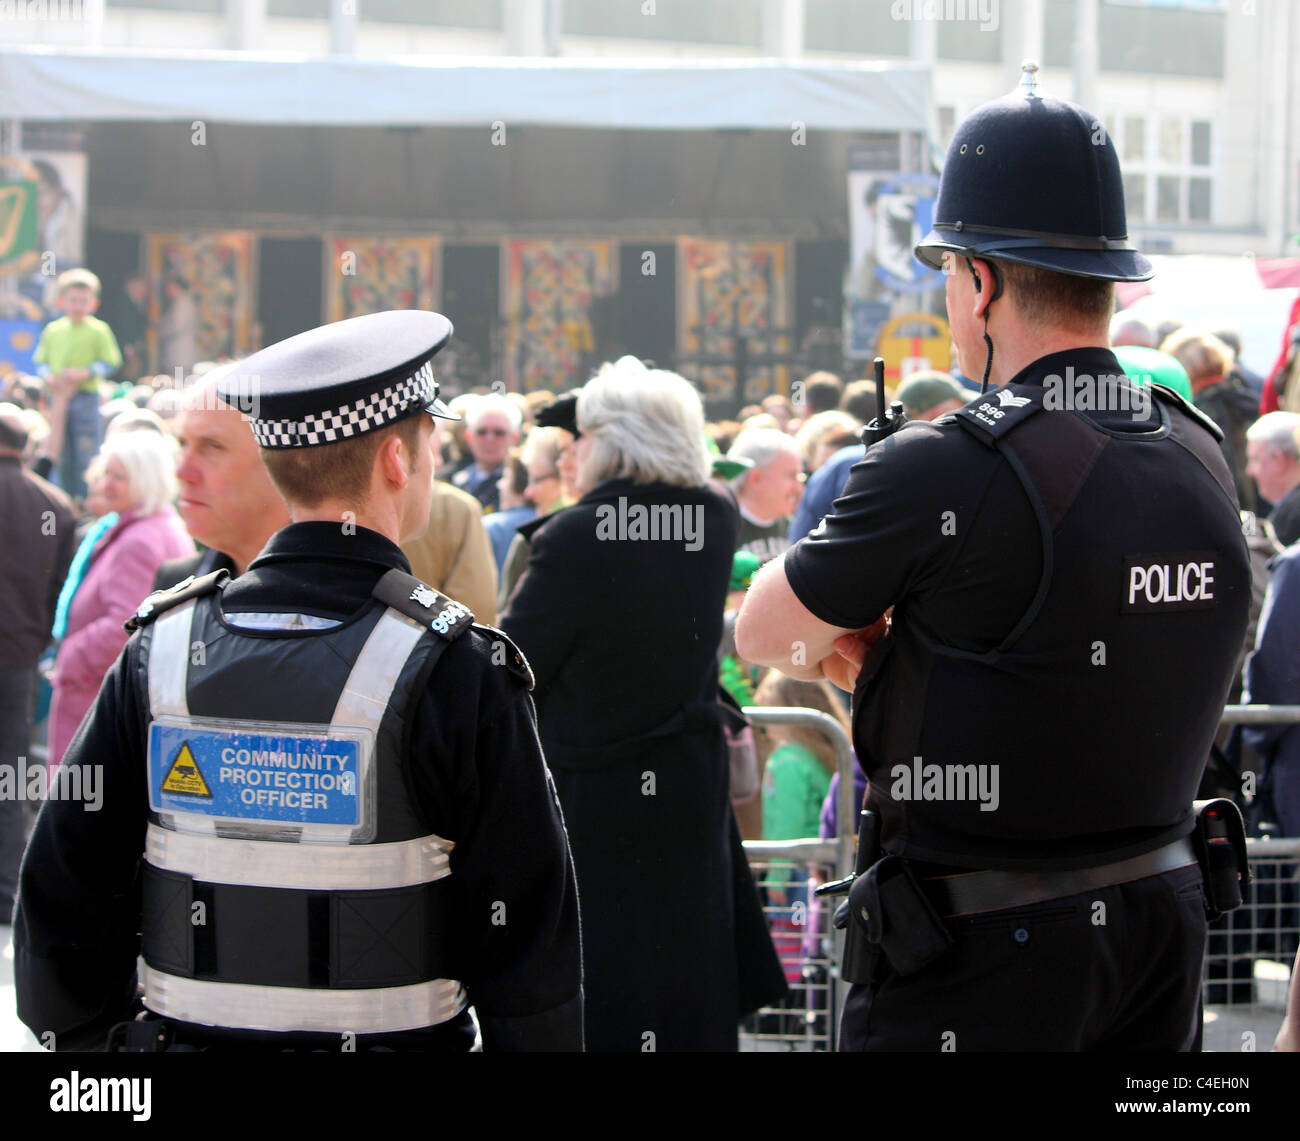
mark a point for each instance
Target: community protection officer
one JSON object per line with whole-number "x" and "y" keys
{"x": 326, "y": 819}
{"x": 1069, "y": 587}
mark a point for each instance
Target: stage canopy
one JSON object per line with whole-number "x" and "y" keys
{"x": 47, "y": 84}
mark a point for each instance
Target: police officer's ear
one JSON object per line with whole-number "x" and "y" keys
{"x": 397, "y": 458}
{"x": 987, "y": 283}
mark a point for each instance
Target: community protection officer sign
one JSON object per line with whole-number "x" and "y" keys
{"x": 237, "y": 771}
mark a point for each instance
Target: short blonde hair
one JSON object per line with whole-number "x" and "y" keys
{"x": 150, "y": 462}
{"x": 78, "y": 279}
{"x": 1201, "y": 353}
{"x": 646, "y": 425}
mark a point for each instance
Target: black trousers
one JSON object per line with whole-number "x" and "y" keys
{"x": 1114, "y": 969}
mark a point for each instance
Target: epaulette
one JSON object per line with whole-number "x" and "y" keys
{"x": 506, "y": 653}
{"x": 1177, "y": 400}
{"x": 997, "y": 412}
{"x": 160, "y": 601}
{"x": 418, "y": 600}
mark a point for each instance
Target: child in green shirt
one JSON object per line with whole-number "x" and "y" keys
{"x": 75, "y": 352}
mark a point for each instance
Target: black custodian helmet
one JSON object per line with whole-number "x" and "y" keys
{"x": 1034, "y": 180}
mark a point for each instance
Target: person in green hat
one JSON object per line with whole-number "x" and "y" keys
{"x": 1151, "y": 365}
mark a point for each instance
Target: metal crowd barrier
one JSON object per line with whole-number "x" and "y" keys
{"x": 1248, "y": 965}
{"x": 786, "y": 872}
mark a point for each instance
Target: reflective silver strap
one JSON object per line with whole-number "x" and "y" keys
{"x": 369, "y": 687}
{"x": 169, "y": 662}
{"x": 243, "y": 1006}
{"x": 265, "y": 863}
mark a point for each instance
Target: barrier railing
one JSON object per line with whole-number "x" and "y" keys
{"x": 1248, "y": 964}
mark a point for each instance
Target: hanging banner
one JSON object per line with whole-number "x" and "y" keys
{"x": 371, "y": 275}
{"x": 201, "y": 298}
{"x": 733, "y": 318}
{"x": 548, "y": 289}
{"x": 889, "y": 212}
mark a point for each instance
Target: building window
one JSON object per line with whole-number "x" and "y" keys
{"x": 1166, "y": 161}
{"x": 735, "y": 22}
{"x": 945, "y": 126}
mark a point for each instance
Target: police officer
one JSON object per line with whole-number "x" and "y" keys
{"x": 1069, "y": 588}
{"x": 322, "y": 802}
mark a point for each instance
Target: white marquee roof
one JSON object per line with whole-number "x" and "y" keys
{"x": 243, "y": 87}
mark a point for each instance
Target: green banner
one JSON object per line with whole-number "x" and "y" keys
{"x": 17, "y": 221}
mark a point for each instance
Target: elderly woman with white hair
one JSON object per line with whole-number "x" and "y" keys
{"x": 138, "y": 483}
{"x": 620, "y": 614}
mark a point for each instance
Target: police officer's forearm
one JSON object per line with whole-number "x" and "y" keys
{"x": 774, "y": 628}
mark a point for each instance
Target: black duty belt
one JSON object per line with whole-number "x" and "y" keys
{"x": 973, "y": 893}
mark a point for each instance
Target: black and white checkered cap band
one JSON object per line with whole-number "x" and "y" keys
{"x": 364, "y": 415}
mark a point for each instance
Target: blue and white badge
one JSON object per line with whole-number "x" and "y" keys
{"x": 279, "y": 781}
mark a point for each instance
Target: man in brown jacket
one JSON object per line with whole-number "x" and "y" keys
{"x": 454, "y": 555}
{"x": 40, "y": 539}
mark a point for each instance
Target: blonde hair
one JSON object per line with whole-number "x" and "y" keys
{"x": 779, "y": 691}
{"x": 78, "y": 278}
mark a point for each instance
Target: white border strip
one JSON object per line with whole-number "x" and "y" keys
{"x": 266, "y": 863}
{"x": 245, "y": 1006}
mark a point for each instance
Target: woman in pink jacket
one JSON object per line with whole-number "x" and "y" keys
{"x": 139, "y": 483}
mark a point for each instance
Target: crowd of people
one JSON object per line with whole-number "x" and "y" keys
{"x": 626, "y": 640}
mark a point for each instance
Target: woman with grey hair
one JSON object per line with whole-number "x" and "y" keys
{"x": 620, "y": 614}
{"x": 137, "y": 484}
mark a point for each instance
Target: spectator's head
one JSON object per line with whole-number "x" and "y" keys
{"x": 134, "y": 420}
{"x": 13, "y": 430}
{"x": 174, "y": 284}
{"x": 78, "y": 294}
{"x": 1165, "y": 328}
{"x": 1129, "y": 328}
{"x": 780, "y": 409}
{"x": 492, "y": 424}
{"x": 513, "y": 482}
{"x": 541, "y": 455}
{"x": 139, "y": 472}
{"x": 825, "y": 434}
{"x": 1206, "y": 358}
{"x": 165, "y": 404}
{"x": 821, "y": 393}
{"x": 777, "y": 690}
{"x": 94, "y": 503}
{"x": 227, "y": 499}
{"x": 1232, "y": 338}
{"x": 646, "y": 425}
{"x": 1273, "y": 454}
{"x": 860, "y": 401}
{"x": 137, "y": 289}
{"x": 927, "y": 395}
{"x": 772, "y": 487}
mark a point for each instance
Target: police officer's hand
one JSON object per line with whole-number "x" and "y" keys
{"x": 842, "y": 667}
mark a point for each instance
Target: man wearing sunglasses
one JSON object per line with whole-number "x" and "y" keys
{"x": 493, "y": 423}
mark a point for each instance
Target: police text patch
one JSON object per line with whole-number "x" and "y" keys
{"x": 1182, "y": 581}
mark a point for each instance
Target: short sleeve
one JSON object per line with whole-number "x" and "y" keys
{"x": 891, "y": 528}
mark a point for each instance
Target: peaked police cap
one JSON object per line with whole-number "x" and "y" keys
{"x": 1034, "y": 180}
{"x": 341, "y": 380}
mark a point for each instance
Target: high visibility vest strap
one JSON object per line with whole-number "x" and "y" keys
{"x": 290, "y": 1009}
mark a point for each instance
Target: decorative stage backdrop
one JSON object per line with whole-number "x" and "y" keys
{"x": 547, "y": 291}
{"x": 369, "y": 275}
{"x": 201, "y": 297}
{"x": 729, "y": 293}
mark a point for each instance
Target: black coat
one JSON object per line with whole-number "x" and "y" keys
{"x": 622, "y": 633}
